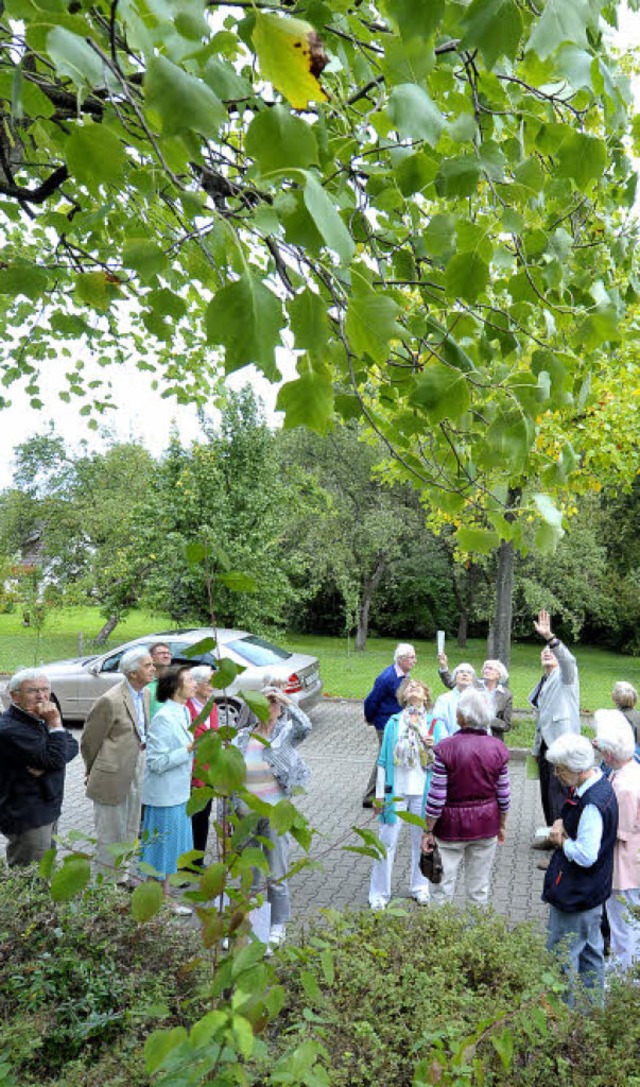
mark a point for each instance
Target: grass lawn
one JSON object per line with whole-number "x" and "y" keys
{"x": 346, "y": 674}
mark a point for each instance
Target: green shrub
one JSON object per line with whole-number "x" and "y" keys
{"x": 409, "y": 999}
{"x": 81, "y": 984}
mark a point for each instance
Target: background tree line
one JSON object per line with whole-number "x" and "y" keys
{"x": 309, "y": 523}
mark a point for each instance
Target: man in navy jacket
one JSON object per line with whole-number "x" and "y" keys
{"x": 34, "y": 752}
{"x": 381, "y": 703}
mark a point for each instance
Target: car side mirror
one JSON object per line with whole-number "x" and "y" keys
{"x": 94, "y": 669}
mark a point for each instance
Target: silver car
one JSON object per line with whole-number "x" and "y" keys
{"x": 75, "y": 684}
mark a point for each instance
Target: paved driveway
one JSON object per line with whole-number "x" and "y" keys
{"x": 341, "y": 750}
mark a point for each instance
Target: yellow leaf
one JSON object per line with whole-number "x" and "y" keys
{"x": 291, "y": 56}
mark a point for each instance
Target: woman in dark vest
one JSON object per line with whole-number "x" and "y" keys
{"x": 468, "y": 801}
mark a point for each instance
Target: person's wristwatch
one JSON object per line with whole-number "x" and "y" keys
{"x": 552, "y": 642}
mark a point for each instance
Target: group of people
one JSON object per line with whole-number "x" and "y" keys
{"x": 447, "y": 763}
{"x": 139, "y": 747}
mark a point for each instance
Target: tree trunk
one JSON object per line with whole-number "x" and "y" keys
{"x": 107, "y": 629}
{"x": 463, "y": 628}
{"x": 499, "y": 641}
{"x": 370, "y": 585}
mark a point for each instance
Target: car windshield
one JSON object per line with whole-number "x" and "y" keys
{"x": 258, "y": 651}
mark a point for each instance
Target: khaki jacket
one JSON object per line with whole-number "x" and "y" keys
{"x": 110, "y": 744}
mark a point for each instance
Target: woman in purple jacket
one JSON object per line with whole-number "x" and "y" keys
{"x": 468, "y": 801}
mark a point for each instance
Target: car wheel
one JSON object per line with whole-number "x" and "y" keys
{"x": 228, "y": 712}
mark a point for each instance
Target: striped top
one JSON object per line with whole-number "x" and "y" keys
{"x": 260, "y": 778}
{"x": 437, "y": 796}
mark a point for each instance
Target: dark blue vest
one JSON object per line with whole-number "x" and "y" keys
{"x": 568, "y": 886}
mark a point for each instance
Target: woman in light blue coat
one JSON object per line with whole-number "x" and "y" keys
{"x": 166, "y": 827}
{"x": 402, "y": 785}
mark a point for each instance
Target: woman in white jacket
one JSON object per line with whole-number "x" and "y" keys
{"x": 166, "y": 827}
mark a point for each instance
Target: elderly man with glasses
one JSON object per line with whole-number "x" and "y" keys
{"x": 579, "y": 877}
{"x": 34, "y": 752}
{"x": 382, "y": 703}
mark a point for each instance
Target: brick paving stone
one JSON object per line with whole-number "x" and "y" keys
{"x": 340, "y": 751}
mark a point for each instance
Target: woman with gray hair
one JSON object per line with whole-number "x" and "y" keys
{"x": 625, "y": 697}
{"x": 616, "y": 743}
{"x": 462, "y": 677}
{"x": 579, "y": 877}
{"x": 500, "y": 699}
{"x": 202, "y": 675}
{"x": 468, "y": 801}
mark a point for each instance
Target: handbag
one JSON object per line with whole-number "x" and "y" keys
{"x": 431, "y": 865}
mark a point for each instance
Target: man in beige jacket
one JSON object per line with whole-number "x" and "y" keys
{"x": 113, "y": 748}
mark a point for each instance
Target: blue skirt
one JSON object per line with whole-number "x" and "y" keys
{"x": 166, "y": 834}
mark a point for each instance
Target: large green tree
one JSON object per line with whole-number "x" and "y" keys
{"x": 430, "y": 203}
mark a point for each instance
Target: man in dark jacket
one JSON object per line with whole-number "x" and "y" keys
{"x": 34, "y": 752}
{"x": 579, "y": 876}
{"x": 381, "y": 703}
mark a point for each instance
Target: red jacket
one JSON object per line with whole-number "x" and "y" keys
{"x": 205, "y": 726}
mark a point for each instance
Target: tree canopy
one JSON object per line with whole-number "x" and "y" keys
{"x": 430, "y": 204}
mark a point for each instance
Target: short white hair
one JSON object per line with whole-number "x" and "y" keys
{"x": 474, "y": 708}
{"x": 202, "y": 673}
{"x": 23, "y": 676}
{"x": 573, "y": 751}
{"x": 463, "y": 667}
{"x": 404, "y": 649}
{"x": 614, "y": 735}
{"x": 503, "y": 675}
{"x": 624, "y": 695}
{"x": 130, "y": 661}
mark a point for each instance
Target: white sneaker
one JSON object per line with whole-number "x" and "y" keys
{"x": 277, "y": 935}
{"x": 378, "y": 904}
{"x": 423, "y": 898}
{"x": 180, "y": 910}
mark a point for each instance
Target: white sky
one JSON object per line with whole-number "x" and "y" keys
{"x": 142, "y": 415}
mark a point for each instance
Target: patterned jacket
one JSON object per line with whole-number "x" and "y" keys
{"x": 289, "y": 768}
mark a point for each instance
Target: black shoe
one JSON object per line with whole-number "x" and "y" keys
{"x": 367, "y": 802}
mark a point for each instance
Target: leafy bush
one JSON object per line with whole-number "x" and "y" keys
{"x": 81, "y": 984}
{"x": 407, "y": 1000}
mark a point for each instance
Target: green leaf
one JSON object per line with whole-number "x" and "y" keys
{"x": 97, "y": 289}
{"x": 243, "y": 1034}
{"x": 183, "y": 101}
{"x": 458, "y": 176}
{"x": 213, "y": 880}
{"x": 73, "y": 57}
{"x": 511, "y": 435}
{"x": 582, "y": 158}
{"x": 238, "y": 582}
{"x": 226, "y": 770}
{"x": 69, "y": 880}
{"x": 494, "y": 27}
{"x": 439, "y": 237}
{"x": 477, "y": 540}
{"x": 284, "y": 48}
{"x": 560, "y": 22}
{"x": 309, "y": 321}
{"x": 147, "y": 900}
{"x": 26, "y": 279}
{"x": 311, "y": 988}
{"x": 441, "y": 392}
{"x": 414, "y": 114}
{"x": 94, "y": 153}
{"x": 371, "y": 324}
{"x": 278, "y": 140}
{"x": 307, "y": 401}
{"x": 466, "y": 276}
{"x": 225, "y": 673}
{"x": 414, "y": 19}
{"x": 246, "y": 318}
{"x": 548, "y": 510}
{"x": 256, "y": 702}
{"x": 160, "y": 1045}
{"x": 145, "y": 257}
{"x": 326, "y": 219}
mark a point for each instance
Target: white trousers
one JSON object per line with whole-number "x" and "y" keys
{"x": 380, "y": 886}
{"x": 625, "y": 929}
{"x": 478, "y": 859}
{"x": 117, "y": 823}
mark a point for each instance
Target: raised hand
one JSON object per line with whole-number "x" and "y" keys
{"x": 543, "y": 624}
